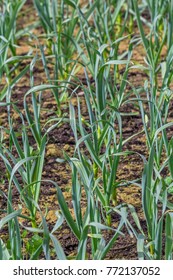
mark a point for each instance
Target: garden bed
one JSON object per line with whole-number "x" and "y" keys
{"x": 133, "y": 156}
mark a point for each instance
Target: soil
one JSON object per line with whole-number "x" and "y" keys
{"x": 61, "y": 139}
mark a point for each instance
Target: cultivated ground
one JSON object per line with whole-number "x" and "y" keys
{"x": 61, "y": 139}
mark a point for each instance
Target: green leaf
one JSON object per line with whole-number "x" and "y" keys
{"x": 9, "y": 217}
{"x": 58, "y": 248}
{"x": 4, "y": 253}
{"x": 65, "y": 210}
